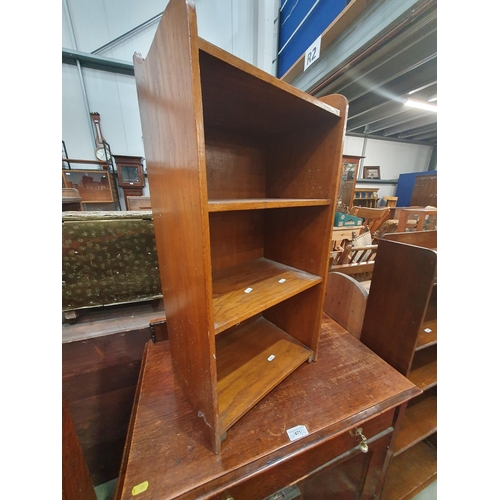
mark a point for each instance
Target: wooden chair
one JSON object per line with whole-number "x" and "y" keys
{"x": 373, "y": 217}
{"x": 414, "y": 218}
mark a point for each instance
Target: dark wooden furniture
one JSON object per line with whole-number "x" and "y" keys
{"x": 139, "y": 203}
{"x": 365, "y": 197}
{"x": 71, "y": 200}
{"x": 243, "y": 172}
{"x": 350, "y": 169}
{"x": 130, "y": 176}
{"x": 424, "y": 191}
{"x": 101, "y": 359}
{"x": 347, "y": 396}
{"x": 400, "y": 325}
{"x": 76, "y": 482}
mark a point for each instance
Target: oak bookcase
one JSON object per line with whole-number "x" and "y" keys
{"x": 244, "y": 172}
{"x": 400, "y": 325}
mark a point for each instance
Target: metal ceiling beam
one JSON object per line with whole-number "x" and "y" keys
{"x": 385, "y": 110}
{"x": 395, "y": 58}
{"x": 70, "y": 56}
{"x": 377, "y": 20}
{"x": 400, "y": 65}
{"x": 407, "y": 115}
{"x": 419, "y": 122}
{"x": 396, "y": 89}
{"x": 428, "y": 135}
{"x": 432, "y": 127}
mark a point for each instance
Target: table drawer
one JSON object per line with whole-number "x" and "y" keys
{"x": 280, "y": 471}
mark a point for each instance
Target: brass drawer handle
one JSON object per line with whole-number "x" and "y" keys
{"x": 363, "y": 446}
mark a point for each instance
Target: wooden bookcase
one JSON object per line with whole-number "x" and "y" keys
{"x": 400, "y": 325}
{"x": 244, "y": 172}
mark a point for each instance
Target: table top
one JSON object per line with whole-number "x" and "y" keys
{"x": 165, "y": 444}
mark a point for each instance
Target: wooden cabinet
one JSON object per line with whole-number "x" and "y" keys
{"x": 365, "y": 197}
{"x": 400, "y": 325}
{"x": 243, "y": 172}
{"x": 424, "y": 191}
{"x": 350, "y": 169}
{"x": 130, "y": 176}
{"x": 344, "y": 403}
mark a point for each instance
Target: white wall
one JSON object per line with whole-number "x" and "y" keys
{"x": 245, "y": 28}
{"x": 392, "y": 157}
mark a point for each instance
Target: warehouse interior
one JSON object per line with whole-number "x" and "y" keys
{"x": 381, "y": 55}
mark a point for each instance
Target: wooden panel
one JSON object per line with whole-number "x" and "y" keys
{"x": 99, "y": 376}
{"x": 419, "y": 422}
{"x": 345, "y": 302}
{"x": 233, "y": 304}
{"x": 166, "y": 444}
{"x": 236, "y": 237}
{"x": 251, "y": 361}
{"x": 411, "y": 271}
{"x": 411, "y": 472}
{"x": 76, "y": 482}
{"x": 171, "y": 115}
{"x": 235, "y": 166}
{"x": 424, "y": 191}
{"x": 276, "y": 110}
{"x": 427, "y": 239}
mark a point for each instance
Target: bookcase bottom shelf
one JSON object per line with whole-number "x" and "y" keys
{"x": 251, "y": 360}
{"x": 411, "y": 472}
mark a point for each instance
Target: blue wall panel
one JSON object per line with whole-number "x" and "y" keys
{"x": 291, "y": 46}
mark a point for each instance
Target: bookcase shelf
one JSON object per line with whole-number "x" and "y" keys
{"x": 251, "y": 361}
{"x": 400, "y": 325}
{"x": 258, "y": 204}
{"x": 243, "y": 174}
{"x": 245, "y": 290}
{"x": 411, "y": 472}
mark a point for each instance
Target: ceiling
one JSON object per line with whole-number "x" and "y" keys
{"x": 399, "y": 63}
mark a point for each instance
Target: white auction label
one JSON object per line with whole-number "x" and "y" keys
{"x": 248, "y": 290}
{"x": 297, "y": 432}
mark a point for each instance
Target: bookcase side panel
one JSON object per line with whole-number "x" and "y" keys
{"x": 168, "y": 86}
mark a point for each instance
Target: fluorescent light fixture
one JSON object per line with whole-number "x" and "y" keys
{"x": 421, "y": 105}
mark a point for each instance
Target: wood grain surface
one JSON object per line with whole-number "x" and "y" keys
{"x": 348, "y": 386}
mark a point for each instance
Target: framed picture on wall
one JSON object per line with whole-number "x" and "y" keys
{"x": 371, "y": 172}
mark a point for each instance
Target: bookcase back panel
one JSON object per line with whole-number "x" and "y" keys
{"x": 236, "y": 99}
{"x": 300, "y": 165}
{"x": 236, "y": 237}
{"x": 298, "y": 237}
{"x": 300, "y": 316}
{"x": 235, "y": 166}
